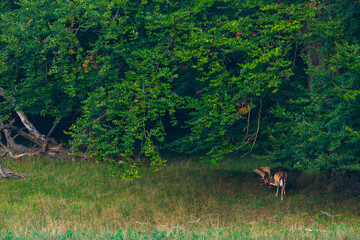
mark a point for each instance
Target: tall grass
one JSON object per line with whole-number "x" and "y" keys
{"x": 187, "y": 199}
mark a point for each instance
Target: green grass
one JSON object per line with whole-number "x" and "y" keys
{"x": 187, "y": 199}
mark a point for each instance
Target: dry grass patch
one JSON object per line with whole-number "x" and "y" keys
{"x": 186, "y": 196}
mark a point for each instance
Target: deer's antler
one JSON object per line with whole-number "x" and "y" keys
{"x": 261, "y": 173}
{"x": 266, "y": 170}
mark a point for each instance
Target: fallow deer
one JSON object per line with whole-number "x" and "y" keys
{"x": 279, "y": 179}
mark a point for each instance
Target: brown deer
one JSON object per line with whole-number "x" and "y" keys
{"x": 279, "y": 179}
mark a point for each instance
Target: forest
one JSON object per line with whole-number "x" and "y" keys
{"x": 122, "y": 81}
{"x": 186, "y": 98}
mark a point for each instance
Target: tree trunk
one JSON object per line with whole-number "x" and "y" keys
{"x": 314, "y": 56}
{"x": 30, "y": 127}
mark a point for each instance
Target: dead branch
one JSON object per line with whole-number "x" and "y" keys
{"x": 257, "y": 130}
{"x": 53, "y": 127}
{"x": 248, "y": 124}
{"x": 26, "y": 154}
{"x": 22, "y": 133}
{"x": 30, "y": 127}
{"x": 4, "y": 173}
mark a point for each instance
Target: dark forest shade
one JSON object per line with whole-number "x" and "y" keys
{"x": 138, "y": 77}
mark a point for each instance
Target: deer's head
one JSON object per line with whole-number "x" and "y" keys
{"x": 268, "y": 180}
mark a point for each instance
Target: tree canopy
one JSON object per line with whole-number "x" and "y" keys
{"x": 219, "y": 76}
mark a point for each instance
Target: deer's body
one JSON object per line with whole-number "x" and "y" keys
{"x": 279, "y": 179}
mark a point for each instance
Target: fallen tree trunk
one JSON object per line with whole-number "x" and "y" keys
{"x": 4, "y": 173}
{"x": 29, "y": 126}
{"x": 32, "y": 142}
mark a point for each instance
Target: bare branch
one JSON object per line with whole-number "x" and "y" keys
{"x": 248, "y": 124}
{"x": 53, "y": 127}
{"x": 21, "y": 133}
{"x": 257, "y": 130}
{"x": 26, "y": 154}
{"x": 117, "y": 12}
{"x": 30, "y": 127}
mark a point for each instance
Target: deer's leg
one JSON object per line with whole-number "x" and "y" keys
{"x": 283, "y": 192}
{"x": 277, "y": 190}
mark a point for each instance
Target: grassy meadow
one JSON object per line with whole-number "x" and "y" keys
{"x": 188, "y": 199}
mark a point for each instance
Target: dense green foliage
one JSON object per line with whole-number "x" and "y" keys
{"x": 210, "y": 75}
{"x": 317, "y": 126}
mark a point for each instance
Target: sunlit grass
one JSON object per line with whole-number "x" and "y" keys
{"x": 188, "y": 197}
